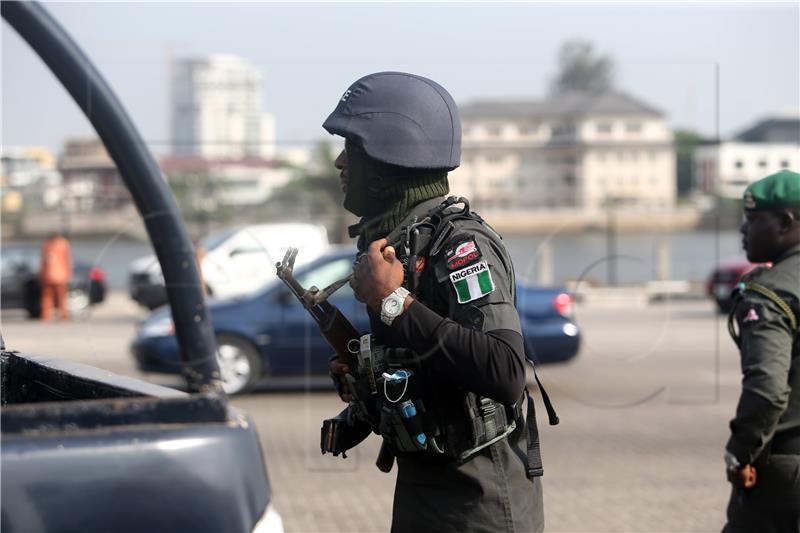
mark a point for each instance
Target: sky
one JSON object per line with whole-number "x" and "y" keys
{"x": 667, "y": 54}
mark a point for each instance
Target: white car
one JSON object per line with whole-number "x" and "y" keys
{"x": 235, "y": 262}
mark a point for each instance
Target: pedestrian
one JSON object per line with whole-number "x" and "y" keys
{"x": 440, "y": 293}
{"x": 763, "y": 453}
{"x": 55, "y": 274}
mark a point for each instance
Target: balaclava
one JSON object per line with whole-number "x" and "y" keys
{"x": 383, "y": 194}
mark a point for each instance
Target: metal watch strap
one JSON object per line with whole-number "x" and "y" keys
{"x": 401, "y": 293}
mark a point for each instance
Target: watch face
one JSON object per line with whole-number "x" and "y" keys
{"x": 391, "y": 306}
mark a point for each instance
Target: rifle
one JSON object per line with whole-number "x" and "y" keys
{"x": 334, "y": 326}
{"x": 343, "y": 337}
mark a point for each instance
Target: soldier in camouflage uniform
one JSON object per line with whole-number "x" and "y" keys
{"x": 763, "y": 452}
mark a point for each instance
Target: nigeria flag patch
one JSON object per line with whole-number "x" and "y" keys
{"x": 472, "y": 282}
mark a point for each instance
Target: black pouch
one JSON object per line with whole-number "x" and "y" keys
{"x": 403, "y": 415}
{"x": 341, "y": 433}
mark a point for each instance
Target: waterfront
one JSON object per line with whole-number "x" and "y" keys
{"x": 692, "y": 255}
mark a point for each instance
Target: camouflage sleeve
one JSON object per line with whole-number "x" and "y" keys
{"x": 766, "y": 346}
{"x": 479, "y": 343}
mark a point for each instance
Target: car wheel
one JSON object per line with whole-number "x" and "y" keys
{"x": 33, "y": 299}
{"x": 34, "y": 310}
{"x": 78, "y": 303}
{"x": 239, "y": 364}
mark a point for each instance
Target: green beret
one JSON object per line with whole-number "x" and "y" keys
{"x": 781, "y": 189}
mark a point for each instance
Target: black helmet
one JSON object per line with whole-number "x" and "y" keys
{"x": 400, "y": 119}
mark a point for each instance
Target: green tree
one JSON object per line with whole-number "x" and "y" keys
{"x": 581, "y": 69}
{"x": 685, "y": 143}
{"x": 196, "y": 194}
{"x": 315, "y": 193}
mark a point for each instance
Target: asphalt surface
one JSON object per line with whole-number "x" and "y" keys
{"x": 644, "y": 412}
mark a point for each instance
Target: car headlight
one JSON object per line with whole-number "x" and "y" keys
{"x": 161, "y": 327}
{"x": 270, "y": 522}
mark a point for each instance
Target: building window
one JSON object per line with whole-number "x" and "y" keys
{"x": 563, "y": 130}
{"x": 494, "y": 159}
{"x": 604, "y": 127}
{"x": 633, "y": 127}
{"x": 569, "y": 179}
{"x": 785, "y": 164}
{"x": 527, "y": 130}
{"x": 738, "y": 164}
{"x": 493, "y": 131}
{"x": 762, "y": 163}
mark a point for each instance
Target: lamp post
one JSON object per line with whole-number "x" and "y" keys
{"x": 611, "y": 203}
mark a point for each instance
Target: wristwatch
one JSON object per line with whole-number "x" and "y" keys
{"x": 392, "y": 305}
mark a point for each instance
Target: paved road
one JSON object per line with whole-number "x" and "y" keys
{"x": 644, "y": 415}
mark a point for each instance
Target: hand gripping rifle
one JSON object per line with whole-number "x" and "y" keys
{"x": 342, "y": 432}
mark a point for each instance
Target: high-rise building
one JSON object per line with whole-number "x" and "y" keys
{"x": 217, "y": 109}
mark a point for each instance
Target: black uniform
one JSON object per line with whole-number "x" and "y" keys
{"x": 465, "y": 326}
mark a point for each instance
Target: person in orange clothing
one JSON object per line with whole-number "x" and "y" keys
{"x": 55, "y": 274}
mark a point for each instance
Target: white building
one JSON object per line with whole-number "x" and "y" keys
{"x": 725, "y": 169}
{"x": 30, "y": 171}
{"x": 237, "y": 182}
{"x": 577, "y": 150}
{"x": 217, "y": 109}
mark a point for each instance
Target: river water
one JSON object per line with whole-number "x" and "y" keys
{"x": 690, "y": 255}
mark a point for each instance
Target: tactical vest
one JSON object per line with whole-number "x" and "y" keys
{"x": 409, "y": 412}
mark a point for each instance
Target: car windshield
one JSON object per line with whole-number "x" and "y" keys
{"x": 325, "y": 274}
{"x": 14, "y": 259}
{"x": 215, "y": 239}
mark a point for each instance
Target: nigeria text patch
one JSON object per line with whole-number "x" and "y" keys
{"x": 472, "y": 282}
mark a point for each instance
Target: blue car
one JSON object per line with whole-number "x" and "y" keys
{"x": 268, "y": 333}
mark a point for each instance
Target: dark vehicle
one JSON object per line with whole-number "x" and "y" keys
{"x": 723, "y": 280}
{"x": 22, "y": 288}
{"x": 86, "y": 450}
{"x": 258, "y": 335}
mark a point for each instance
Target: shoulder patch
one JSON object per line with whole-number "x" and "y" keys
{"x": 751, "y": 314}
{"x": 472, "y": 282}
{"x": 462, "y": 253}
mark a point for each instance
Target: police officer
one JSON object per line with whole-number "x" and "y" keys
{"x": 402, "y": 135}
{"x": 763, "y": 452}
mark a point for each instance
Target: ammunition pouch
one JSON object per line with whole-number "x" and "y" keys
{"x": 391, "y": 392}
{"x": 489, "y": 422}
{"x": 342, "y": 432}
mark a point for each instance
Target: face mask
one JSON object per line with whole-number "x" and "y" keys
{"x": 365, "y": 186}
